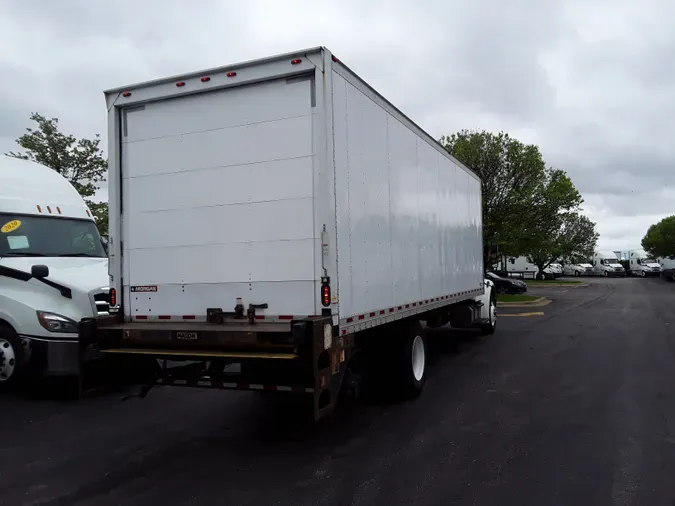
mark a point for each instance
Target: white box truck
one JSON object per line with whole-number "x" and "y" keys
{"x": 53, "y": 272}
{"x": 283, "y": 216}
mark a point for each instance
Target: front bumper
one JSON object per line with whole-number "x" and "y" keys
{"x": 55, "y": 357}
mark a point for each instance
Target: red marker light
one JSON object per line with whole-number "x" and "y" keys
{"x": 126, "y": 94}
{"x": 113, "y": 297}
{"x": 335, "y": 58}
{"x": 180, "y": 83}
{"x": 325, "y": 295}
{"x": 231, "y": 74}
{"x": 205, "y": 79}
{"x": 296, "y": 61}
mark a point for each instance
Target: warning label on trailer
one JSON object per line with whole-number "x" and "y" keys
{"x": 10, "y": 226}
{"x": 145, "y": 288}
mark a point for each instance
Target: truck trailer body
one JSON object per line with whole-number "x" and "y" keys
{"x": 281, "y": 214}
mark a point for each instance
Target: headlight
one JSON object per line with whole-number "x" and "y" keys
{"x": 57, "y": 323}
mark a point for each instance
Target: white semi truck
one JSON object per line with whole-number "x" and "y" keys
{"x": 606, "y": 263}
{"x": 53, "y": 272}
{"x": 643, "y": 265}
{"x": 580, "y": 269}
{"x": 280, "y": 214}
{"x": 525, "y": 267}
{"x": 667, "y": 268}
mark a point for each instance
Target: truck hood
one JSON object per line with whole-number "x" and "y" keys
{"x": 651, "y": 265}
{"x": 85, "y": 274}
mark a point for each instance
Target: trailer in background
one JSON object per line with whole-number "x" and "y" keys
{"x": 278, "y": 225}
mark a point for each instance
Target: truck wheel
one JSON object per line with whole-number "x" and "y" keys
{"x": 11, "y": 356}
{"x": 576, "y": 274}
{"x": 489, "y": 328}
{"x": 411, "y": 362}
{"x": 605, "y": 273}
{"x": 642, "y": 274}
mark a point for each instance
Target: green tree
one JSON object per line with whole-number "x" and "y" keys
{"x": 575, "y": 238}
{"x": 553, "y": 226}
{"x": 80, "y": 161}
{"x": 512, "y": 175}
{"x": 659, "y": 241}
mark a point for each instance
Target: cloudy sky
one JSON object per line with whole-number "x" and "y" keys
{"x": 593, "y": 86}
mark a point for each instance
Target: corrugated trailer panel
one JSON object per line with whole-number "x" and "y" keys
{"x": 409, "y": 221}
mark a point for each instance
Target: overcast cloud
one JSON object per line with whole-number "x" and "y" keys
{"x": 593, "y": 86}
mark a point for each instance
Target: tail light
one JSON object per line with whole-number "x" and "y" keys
{"x": 113, "y": 297}
{"x": 325, "y": 292}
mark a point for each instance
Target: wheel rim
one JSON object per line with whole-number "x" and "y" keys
{"x": 418, "y": 358}
{"x": 642, "y": 274}
{"x": 493, "y": 313}
{"x": 7, "y": 360}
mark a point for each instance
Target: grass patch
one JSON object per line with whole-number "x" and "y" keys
{"x": 516, "y": 298}
{"x": 552, "y": 282}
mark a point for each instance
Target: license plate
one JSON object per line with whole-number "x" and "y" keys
{"x": 187, "y": 336}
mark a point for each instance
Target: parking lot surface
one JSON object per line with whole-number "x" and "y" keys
{"x": 573, "y": 406}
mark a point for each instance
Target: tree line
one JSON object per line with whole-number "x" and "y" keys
{"x": 529, "y": 209}
{"x": 659, "y": 241}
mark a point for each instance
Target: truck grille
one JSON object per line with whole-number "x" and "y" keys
{"x": 589, "y": 269}
{"x": 102, "y": 301}
{"x": 618, "y": 269}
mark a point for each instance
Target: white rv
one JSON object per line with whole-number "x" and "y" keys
{"x": 606, "y": 263}
{"x": 667, "y": 268}
{"x": 641, "y": 264}
{"x": 525, "y": 267}
{"x": 581, "y": 269}
{"x": 53, "y": 271}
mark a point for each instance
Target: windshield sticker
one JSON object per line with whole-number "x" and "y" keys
{"x": 17, "y": 241}
{"x": 144, "y": 288}
{"x": 10, "y": 226}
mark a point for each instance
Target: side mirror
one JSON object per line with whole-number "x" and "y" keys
{"x": 104, "y": 243}
{"x": 39, "y": 271}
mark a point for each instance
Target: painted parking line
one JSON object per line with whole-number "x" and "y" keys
{"x": 538, "y": 313}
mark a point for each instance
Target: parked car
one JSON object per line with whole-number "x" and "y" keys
{"x": 507, "y": 285}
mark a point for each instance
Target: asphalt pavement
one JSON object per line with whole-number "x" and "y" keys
{"x": 573, "y": 405}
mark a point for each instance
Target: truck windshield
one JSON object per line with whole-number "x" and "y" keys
{"x": 47, "y": 236}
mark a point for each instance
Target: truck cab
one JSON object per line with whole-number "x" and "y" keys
{"x": 53, "y": 271}
{"x": 643, "y": 265}
{"x": 606, "y": 263}
{"x": 582, "y": 269}
{"x": 667, "y": 268}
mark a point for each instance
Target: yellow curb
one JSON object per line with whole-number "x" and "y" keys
{"x": 541, "y": 301}
{"x": 521, "y": 314}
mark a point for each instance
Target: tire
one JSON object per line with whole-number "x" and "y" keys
{"x": 490, "y": 328}
{"x": 11, "y": 356}
{"x": 642, "y": 274}
{"x": 605, "y": 274}
{"x": 576, "y": 274}
{"x": 411, "y": 363}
